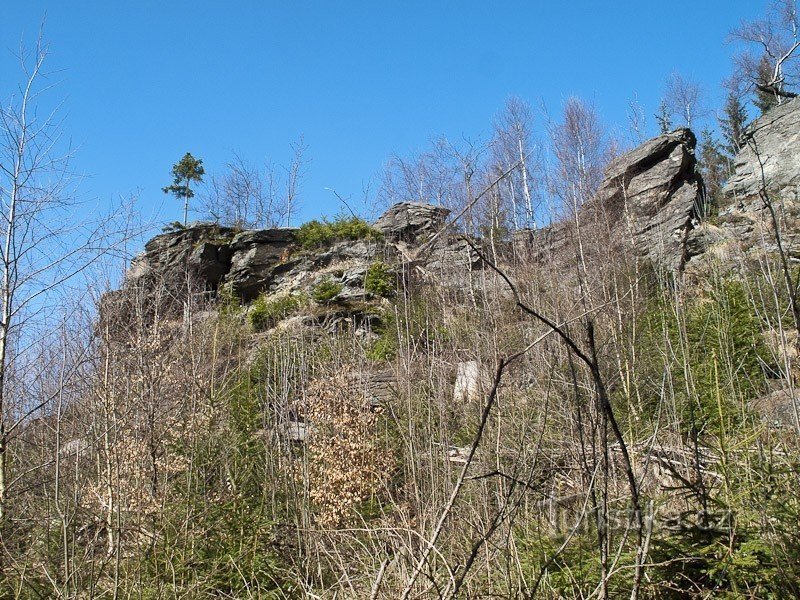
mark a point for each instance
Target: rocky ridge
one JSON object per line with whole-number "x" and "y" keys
{"x": 650, "y": 195}
{"x": 274, "y": 262}
{"x": 651, "y": 203}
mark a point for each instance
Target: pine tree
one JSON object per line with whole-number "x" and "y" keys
{"x": 663, "y": 117}
{"x": 714, "y": 166}
{"x": 732, "y": 125}
{"x": 189, "y": 169}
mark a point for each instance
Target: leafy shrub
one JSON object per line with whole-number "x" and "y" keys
{"x": 266, "y": 313}
{"x": 316, "y": 234}
{"x": 348, "y": 464}
{"x": 228, "y": 303}
{"x": 325, "y": 291}
{"x": 379, "y": 280}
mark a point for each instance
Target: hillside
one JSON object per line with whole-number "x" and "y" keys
{"x": 604, "y": 406}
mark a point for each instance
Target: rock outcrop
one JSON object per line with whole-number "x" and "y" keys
{"x": 272, "y": 260}
{"x": 203, "y": 249}
{"x": 657, "y": 194}
{"x": 258, "y": 258}
{"x": 773, "y": 141}
{"x": 770, "y": 163}
{"x": 411, "y": 221}
{"x": 650, "y": 201}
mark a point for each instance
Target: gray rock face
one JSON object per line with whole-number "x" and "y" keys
{"x": 650, "y": 199}
{"x": 256, "y": 257}
{"x": 451, "y": 259}
{"x": 344, "y": 263}
{"x": 410, "y": 222}
{"x": 775, "y": 138}
{"x": 202, "y": 249}
{"x": 770, "y": 162}
{"x": 656, "y": 193}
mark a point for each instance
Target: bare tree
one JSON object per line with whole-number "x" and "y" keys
{"x": 250, "y": 197}
{"x": 581, "y": 151}
{"x": 240, "y": 197}
{"x": 449, "y": 174}
{"x": 294, "y": 175}
{"x": 430, "y": 176}
{"x": 512, "y": 144}
{"x": 637, "y": 121}
{"x": 768, "y": 61}
{"x": 41, "y": 247}
{"x": 684, "y": 99}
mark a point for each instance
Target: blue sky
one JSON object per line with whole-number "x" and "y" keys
{"x": 143, "y": 82}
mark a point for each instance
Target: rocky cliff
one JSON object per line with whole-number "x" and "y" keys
{"x": 767, "y": 169}
{"x": 281, "y": 263}
{"x": 651, "y": 204}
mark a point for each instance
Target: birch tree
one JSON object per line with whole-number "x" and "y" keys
{"x": 512, "y": 144}
{"x": 43, "y": 244}
{"x": 684, "y": 99}
{"x": 768, "y": 60}
{"x": 581, "y": 152}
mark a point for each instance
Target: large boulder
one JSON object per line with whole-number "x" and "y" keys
{"x": 656, "y": 193}
{"x": 411, "y": 222}
{"x": 649, "y": 203}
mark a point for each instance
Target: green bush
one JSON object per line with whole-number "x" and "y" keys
{"x": 383, "y": 349}
{"x": 173, "y": 227}
{"x": 316, "y": 234}
{"x": 379, "y": 280}
{"x": 266, "y": 313}
{"x": 325, "y": 291}
{"x": 720, "y": 356}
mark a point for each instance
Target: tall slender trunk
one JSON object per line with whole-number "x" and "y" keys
{"x": 526, "y": 190}
{"x": 5, "y": 318}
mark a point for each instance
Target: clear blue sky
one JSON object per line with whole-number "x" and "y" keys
{"x": 143, "y": 82}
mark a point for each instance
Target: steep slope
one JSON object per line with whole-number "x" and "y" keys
{"x": 314, "y": 447}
